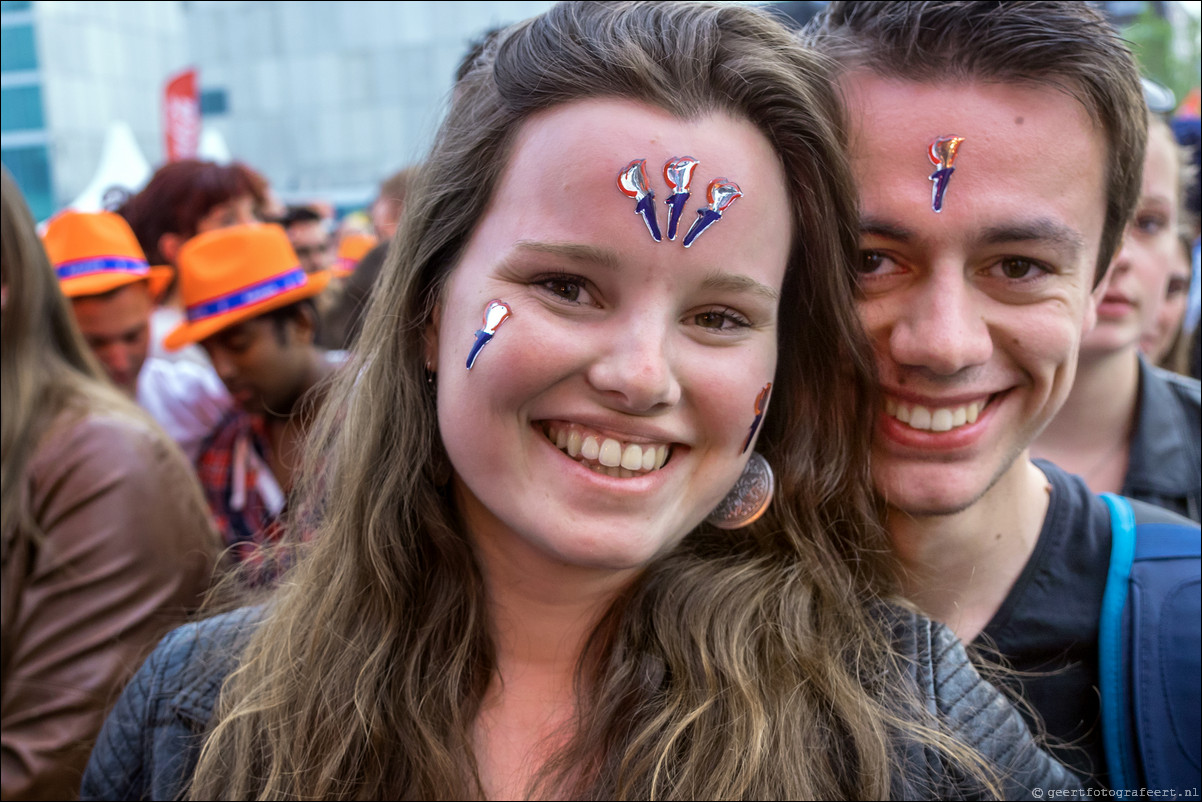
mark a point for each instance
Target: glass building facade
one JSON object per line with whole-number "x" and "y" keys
{"x": 23, "y": 140}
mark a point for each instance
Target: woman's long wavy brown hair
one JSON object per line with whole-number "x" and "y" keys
{"x": 46, "y": 367}
{"x": 742, "y": 665}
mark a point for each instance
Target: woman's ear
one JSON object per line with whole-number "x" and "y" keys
{"x": 169, "y": 245}
{"x": 430, "y": 339}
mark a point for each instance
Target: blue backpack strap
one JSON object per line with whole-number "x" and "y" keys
{"x": 1112, "y": 675}
{"x": 1150, "y": 650}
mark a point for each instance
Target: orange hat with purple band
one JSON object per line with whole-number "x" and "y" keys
{"x": 235, "y": 274}
{"x": 96, "y": 252}
{"x": 351, "y": 249}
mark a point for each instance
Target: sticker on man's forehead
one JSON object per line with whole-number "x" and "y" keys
{"x": 942, "y": 154}
{"x": 634, "y": 184}
{"x": 678, "y": 175}
{"x": 496, "y": 313}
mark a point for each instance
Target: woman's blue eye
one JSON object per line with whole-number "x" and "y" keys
{"x": 1150, "y": 223}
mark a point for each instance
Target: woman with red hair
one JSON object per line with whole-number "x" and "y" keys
{"x": 185, "y": 198}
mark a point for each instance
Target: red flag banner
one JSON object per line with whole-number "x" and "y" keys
{"x": 181, "y": 116}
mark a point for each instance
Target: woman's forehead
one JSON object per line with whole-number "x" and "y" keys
{"x": 603, "y": 173}
{"x": 596, "y": 138}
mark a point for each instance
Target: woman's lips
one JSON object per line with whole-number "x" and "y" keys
{"x": 1115, "y": 305}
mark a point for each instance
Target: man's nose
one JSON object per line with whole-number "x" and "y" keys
{"x": 941, "y": 327}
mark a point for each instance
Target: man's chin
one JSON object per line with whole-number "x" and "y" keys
{"x": 929, "y": 508}
{"x": 933, "y": 491}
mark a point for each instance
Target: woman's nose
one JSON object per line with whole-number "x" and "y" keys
{"x": 634, "y": 367}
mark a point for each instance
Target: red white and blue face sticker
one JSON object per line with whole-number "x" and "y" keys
{"x": 720, "y": 194}
{"x": 634, "y": 184}
{"x": 942, "y": 154}
{"x": 761, "y": 404}
{"x": 496, "y": 313}
{"x": 678, "y": 175}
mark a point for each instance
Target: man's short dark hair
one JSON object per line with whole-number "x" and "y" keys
{"x": 1066, "y": 45}
{"x": 299, "y": 214}
{"x": 293, "y": 311}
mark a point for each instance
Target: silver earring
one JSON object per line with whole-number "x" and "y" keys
{"x": 749, "y": 498}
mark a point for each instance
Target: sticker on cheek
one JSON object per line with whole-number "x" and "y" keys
{"x": 720, "y": 195}
{"x": 496, "y": 313}
{"x": 761, "y": 403}
{"x": 942, "y": 154}
{"x": 678, "y": 174}
{"x": 633, "y": 183}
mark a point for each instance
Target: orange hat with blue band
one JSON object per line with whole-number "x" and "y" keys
{"x": 96, "y": 252}
{"x": 235, "y": 274}
{"x": 352, "y": 248}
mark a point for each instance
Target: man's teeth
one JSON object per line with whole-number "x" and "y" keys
{"x": 610, "y": 456}
{"x": 942, "y": 419}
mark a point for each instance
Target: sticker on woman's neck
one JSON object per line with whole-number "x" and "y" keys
{"x": 633, "y": 183}
{"x": 496, "y": 313}
{"x": 678, "y": 174}
{"x": 761, "y": 404}
{"x": 720, "y": 195}
{"x": 942, "y": 154}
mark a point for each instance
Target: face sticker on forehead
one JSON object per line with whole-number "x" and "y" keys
{"x": 761, "y": 404}
{"x": 942, "y": 154}
{"x": 720, "y": 195}
{"x": 678, "y": 174}
{"x": 634, "y": 184}
{"x": 496, "y": 313}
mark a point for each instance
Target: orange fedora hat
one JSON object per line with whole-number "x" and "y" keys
{"x": 96, "y": 252}
{"x": 235, "y": 274}
{"x": 351, "y": 249}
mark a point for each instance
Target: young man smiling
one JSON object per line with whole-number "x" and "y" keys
{"x": 996, "y": 147}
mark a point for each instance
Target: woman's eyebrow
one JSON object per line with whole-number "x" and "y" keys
{"x": 570, "y": 250}
{"x": 737, "y": 282}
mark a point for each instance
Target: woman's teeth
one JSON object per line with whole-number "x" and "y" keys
{"x": 942, "y": 419}
{"x": 605, "y": 454}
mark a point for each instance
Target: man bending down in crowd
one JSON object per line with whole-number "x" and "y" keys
{"x": 249, "y": 304}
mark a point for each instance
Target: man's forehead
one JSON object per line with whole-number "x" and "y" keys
{"x": 888, "y": 112}
{"x": 245, "y": 328}
{"x": 1027, "y": 163}
{"x": 307, "y": 228}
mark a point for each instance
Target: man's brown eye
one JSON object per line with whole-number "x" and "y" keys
{"x": 1017, "y": 268}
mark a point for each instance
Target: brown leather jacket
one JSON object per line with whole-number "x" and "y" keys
{"x": 118, "y": 550}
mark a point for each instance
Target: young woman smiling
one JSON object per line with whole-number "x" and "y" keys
{"x": 517, "y": 588}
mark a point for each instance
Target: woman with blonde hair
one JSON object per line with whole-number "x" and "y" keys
{"x": 1128, "y": 426}
{"x": 107, "y": 542}
{"x": 548, "y": 562}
